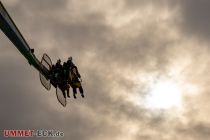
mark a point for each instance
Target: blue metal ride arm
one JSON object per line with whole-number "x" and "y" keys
{"x": 11, "y": 31}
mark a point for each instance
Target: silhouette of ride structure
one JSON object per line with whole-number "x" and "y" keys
{"x": 61, "y": 76}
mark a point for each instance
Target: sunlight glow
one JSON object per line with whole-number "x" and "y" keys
{"x": 164, "y": 95}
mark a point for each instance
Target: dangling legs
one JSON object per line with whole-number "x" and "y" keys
{"x": 74, "y": 92}
{"x": 67, "y": 89}
{"x": 68, "y": 92}
{"x": 81, "y": 91}
{"x": 64, "y": 94}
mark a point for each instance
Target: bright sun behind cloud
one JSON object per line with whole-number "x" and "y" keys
{"x": 164, "y": 94}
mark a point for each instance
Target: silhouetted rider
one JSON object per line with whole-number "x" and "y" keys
{"x": 66, "y": 70}
{"x": 76, "y": 81}
{"x": 59, "y": 77}
{"x": 66, "y": 67}
{"x": 69, "y": 62}
{"x": 58, "y": 64}
{"x": 74, "y": 78}
{"x": 58, "y": 71}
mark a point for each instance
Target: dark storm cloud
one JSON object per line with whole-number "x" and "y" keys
{"x": 93, "y": 34}
{"x": 142, "y": 3}
{"x": 36, "y": 114}
{"x": 195, "y": 130}
{"x": 107, "y": 55}
{"x": 23, "y": 100}
{"x": 192, "y": 17}
{"x": 195, "y": 19}
{"x": 20, "y": 105}
{"x": 34, "y": 19}
{"x": 89, "y": 34}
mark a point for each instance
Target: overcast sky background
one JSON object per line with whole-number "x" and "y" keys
{"x": 120, "y": 47}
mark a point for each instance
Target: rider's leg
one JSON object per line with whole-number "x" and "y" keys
{"x": 81, "y": 91}
{"x": 64, "y": 94}
{"x": 68, "y": 92}
{"x": 74, "y": 92}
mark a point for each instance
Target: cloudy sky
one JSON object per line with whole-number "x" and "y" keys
{"x": 144, "y": 65}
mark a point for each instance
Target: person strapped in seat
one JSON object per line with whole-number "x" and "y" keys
{"x": 74, "y": 78}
